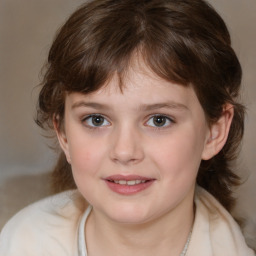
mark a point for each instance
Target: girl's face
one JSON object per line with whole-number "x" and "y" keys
{"x": 135, "y": 154}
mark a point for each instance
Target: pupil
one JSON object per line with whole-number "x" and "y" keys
{"x": 159, "y": 120}
{"x": 97, "y": 120}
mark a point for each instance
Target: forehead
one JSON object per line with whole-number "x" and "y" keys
{"x": 138, "y": 87}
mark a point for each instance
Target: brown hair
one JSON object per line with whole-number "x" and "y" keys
{"x": 182, "y": 41}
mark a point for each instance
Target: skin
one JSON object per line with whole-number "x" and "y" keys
{"x": 129, "y": 141}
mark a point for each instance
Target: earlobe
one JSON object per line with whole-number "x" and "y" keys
{"x": 63, "y": 142}
{"x": 218, "y": 133}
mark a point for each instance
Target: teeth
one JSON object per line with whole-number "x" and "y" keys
{"x": 129, "y": 182}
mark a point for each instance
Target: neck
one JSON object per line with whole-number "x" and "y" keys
{"x": 164, "y": 237}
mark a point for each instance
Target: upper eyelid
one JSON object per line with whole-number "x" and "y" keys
{"x": 163, "y": 115}
{"x": 170, "y": 120}
{"x": 84, "y": 117}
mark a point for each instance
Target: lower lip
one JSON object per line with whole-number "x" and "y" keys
{"x": 128, "y": 190}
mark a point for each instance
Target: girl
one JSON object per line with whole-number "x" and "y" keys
{"x": 143, "y": 98}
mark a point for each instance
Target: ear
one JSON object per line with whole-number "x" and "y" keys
{"x": 218, "y": 133}
{"x": 60, "y": 132}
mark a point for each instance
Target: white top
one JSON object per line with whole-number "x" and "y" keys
{"x": 55, "y": 226}
{"x": 82, "y": 250}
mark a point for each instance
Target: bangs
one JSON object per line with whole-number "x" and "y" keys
{"x": 94, "y": 72}
{"x": 96, "y": 49}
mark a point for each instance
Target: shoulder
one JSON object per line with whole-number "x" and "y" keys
{"x": 215, "y": 229}
{"x": 48, "y": 225}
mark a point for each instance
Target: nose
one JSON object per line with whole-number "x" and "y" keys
{"x": 126, "y": 146}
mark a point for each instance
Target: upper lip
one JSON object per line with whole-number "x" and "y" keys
{"x": 118, "y": 177}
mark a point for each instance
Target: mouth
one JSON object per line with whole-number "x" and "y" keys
{"x": 128, "y": 182}
{"x": 128, "y": 185}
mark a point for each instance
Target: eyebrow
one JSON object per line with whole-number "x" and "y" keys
{"x": 143, "y": 107}
{"x": 89, "y": 104}
{"x": 170, "y": 105}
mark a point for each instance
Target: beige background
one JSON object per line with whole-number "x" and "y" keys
{"x": 26, "y": 31}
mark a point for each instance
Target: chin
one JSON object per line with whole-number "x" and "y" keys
{"x": 128, "y": 215}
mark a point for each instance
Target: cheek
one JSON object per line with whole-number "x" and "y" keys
{"x": 85, "y": 156}
{"x": 178, "y": 156}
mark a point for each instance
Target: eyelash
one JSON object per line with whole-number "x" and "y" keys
{"x": 167, "y": 119}
{"x": 91, "y": 126}
{"x": 85, "y": 120}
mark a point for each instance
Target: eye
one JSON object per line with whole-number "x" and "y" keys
{"x": 96, "y": 121}
{"x": 159, "y": 121}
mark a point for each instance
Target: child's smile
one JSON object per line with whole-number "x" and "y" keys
{"x": 128, "y": 184}
{"x": 135, "y": 154}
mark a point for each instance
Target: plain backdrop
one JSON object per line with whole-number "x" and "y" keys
{"x": 27, "y": 28}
